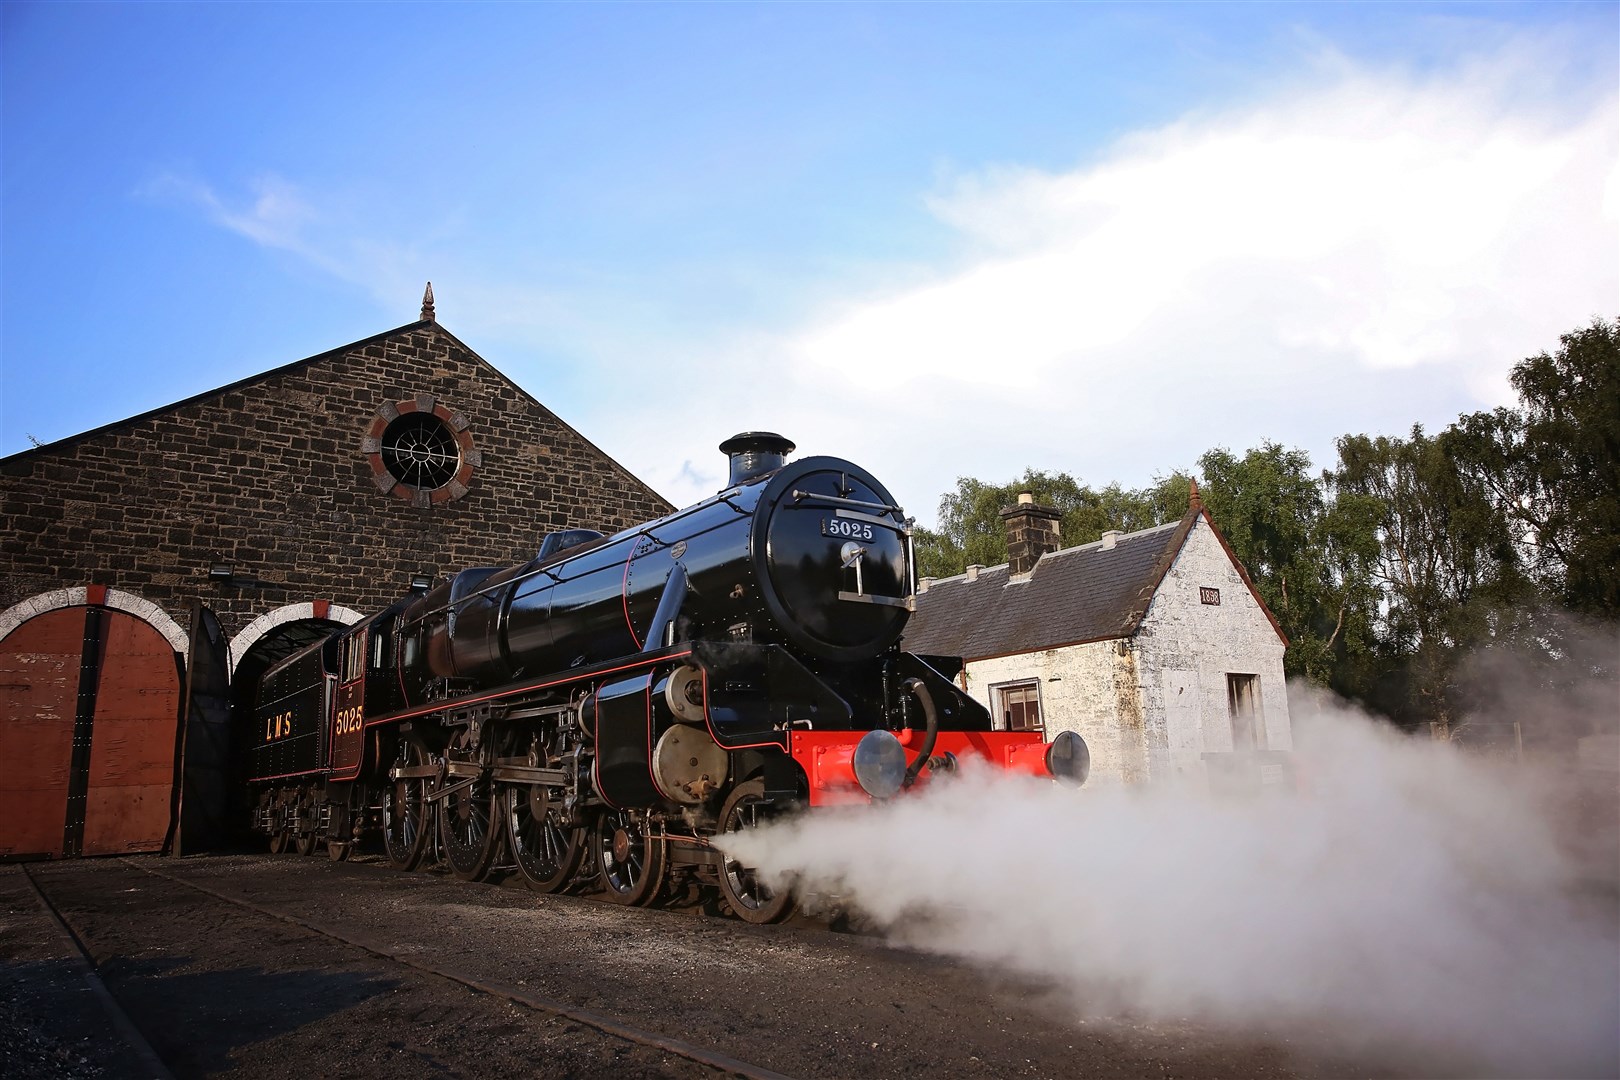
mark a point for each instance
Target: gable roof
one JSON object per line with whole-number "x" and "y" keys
{"x": 17, "y": 463}
{"x": 1077, "y": 595}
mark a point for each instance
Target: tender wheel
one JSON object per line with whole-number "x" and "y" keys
{"x": 305, "y": 842}
{"x": 747, "y": 896}
{"x": 547, "y": 853}
{"x": 405, "y": 813}
{"x": 470, "y": 828}
{"x": 279, "y": 841}
{"x": 337, "y": 850}
{"x": 629, "y": 863}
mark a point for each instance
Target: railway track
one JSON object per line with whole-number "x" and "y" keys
{"x": 258, "y": 966}
{"x": 144, "y": 1059}
{"x": 149, "y": 1063}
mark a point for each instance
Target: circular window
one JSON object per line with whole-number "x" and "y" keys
{"x": 421, "y": 450}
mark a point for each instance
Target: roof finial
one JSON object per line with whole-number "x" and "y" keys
{"x": 1195, "y": 501}
{"x": 427, "y": 303}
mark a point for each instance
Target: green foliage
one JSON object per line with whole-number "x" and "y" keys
{"x": 1447, "y": 568}
{"x": 1310, "y": 559}
{"x": 971, "y": 530}
{"x": 1569, "y": 459}
{"x": 1390, "y": 570}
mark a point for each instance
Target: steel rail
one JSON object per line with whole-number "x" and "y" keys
{"x": 590, "y": 1018}
{"x": 147, "y": 1062}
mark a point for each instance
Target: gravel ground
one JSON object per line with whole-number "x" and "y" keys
{"x": 223, "y": 991}
{"x": 52, "y": 1025}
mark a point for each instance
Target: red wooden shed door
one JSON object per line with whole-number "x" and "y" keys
{"x": 109, "y": 681}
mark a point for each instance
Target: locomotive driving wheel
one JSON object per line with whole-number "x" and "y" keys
{"x": 630, "y": 862}
{"x": 470, "y": 824}
{"x": 547, "y": 852}
{"x": 749, "y": 898}
{"x": 405, "y": 812}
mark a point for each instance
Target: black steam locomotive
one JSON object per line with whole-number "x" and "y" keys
{"x": 605, "y": 710}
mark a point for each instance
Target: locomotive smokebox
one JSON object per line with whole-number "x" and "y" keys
{"x": 755, "y": 453}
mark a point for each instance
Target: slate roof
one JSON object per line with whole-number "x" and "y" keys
{"x": 1079, "y": 594}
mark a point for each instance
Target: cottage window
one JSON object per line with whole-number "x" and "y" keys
{"x": 1243, "y": 704}
{"x": 1018, "y": 705}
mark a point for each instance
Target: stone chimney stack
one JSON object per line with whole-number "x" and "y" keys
{"x": 1032, "y": 531}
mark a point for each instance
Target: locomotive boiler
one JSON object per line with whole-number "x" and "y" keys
{"x": 605, "y": 710}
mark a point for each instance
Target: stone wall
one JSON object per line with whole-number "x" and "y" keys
{"x": 1186, "y": 648}
{"x": 271, "y": 478}
{"x": 1080, "y": 691}
{"x": 1152, "y": 705}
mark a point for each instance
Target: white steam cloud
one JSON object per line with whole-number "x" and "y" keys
{"x": 1411, "y": 904}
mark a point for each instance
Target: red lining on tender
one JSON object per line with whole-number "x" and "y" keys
{"x": 283, "y": 776}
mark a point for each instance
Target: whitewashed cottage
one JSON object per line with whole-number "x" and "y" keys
{"x": 1153, "y": 645}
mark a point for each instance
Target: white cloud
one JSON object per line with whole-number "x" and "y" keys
{"x": 1400, "y": 209}
{"x": 1362, "y": 251}
{"x": 275, "y": 214}
{"x": 1359, "y": 255}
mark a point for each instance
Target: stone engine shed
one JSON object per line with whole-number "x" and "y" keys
{"x": 152, "y": 568}
{"x": 1153, "y": 645}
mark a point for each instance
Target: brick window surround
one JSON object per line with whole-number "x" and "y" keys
{"x": 435, "y": 434}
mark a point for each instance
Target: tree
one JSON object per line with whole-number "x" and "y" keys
{"x": 1311, "y": 560}
{"x": 971, "y": 531}
{"x": 1447, "y": 568}
{"x": 1568, "y": 458}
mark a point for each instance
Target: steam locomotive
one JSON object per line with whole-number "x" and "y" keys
{"x": 604, "y": 711}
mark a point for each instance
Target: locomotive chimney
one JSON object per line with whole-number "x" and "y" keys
{"x": 755, "y": 453}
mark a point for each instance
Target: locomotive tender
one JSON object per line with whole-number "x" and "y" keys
{"x": 608, "y": 708}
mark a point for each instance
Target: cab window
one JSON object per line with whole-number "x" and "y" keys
{"x": 354, "y": 657}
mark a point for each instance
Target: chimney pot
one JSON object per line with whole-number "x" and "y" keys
{"x": 923, "y": 583}
{"x": 1109, "y": 537}
{"x": 973, "y": 571}
{"x": 1025, "y": 499}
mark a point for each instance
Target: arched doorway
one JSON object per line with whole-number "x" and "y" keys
{"x": 259, "y": 646}
{"x": 276, "y": 635}
{"x": 89, "y": 717}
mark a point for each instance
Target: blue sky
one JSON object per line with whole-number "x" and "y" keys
{"x": 941, "y": 240}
